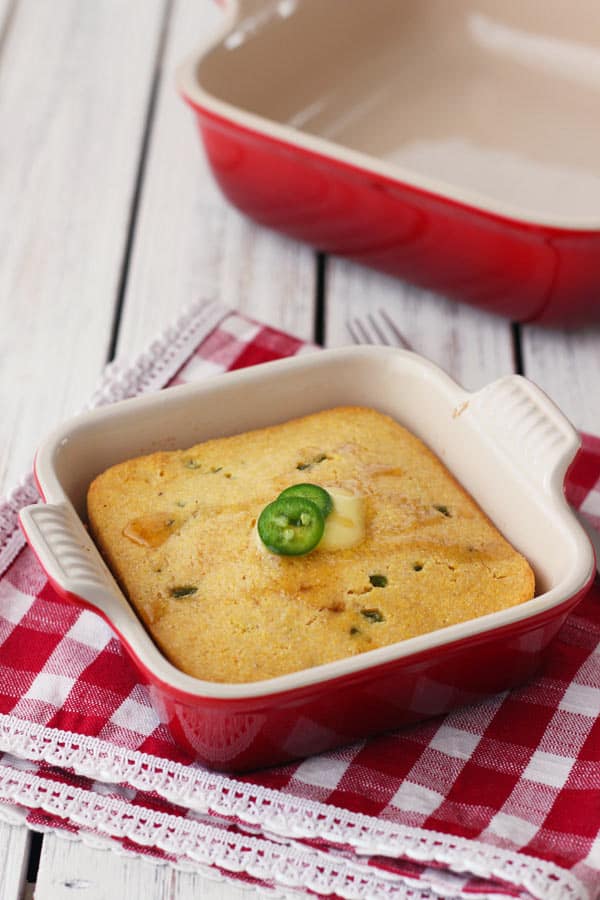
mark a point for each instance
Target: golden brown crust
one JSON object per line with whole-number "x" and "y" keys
{"x": 223, "y": 608}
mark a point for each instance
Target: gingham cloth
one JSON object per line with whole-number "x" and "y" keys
{"x": 496, "y": 800}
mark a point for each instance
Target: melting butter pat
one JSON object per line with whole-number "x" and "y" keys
{"x": 345, "y": 524}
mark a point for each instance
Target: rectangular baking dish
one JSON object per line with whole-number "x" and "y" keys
{"x": 456, "y": 145}
{"x": 507, "y": 444}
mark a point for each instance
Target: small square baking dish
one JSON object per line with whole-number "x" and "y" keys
{"x": 456, "y": 145}
{"x": 507, "y": 444}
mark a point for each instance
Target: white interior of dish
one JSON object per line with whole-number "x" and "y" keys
{"x": 496, "y": 102}
{"x": 508, "y": 445}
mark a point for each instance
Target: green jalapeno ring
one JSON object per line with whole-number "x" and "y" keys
{"x": 318, "y": 495}
{"x": 291, "y": 526}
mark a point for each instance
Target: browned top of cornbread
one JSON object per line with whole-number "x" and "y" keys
{"x": 178, "y": 530}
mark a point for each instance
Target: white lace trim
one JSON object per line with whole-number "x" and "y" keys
{"x": 285, "y": 866}
{"x": 281, "y": 815}
{"x": 284, "y": 817}
{"x": 12, "y": 540}
{"x": 151, "y": 370}
{"x": 17, "y": 818}
{"x": 162, "y": 358}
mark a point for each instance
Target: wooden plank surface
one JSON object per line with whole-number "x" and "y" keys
{"x": 189, "y": 242}
{"x": 74, "y": 85}
{"x": 470, "y": 345}
{"x": 567, "y": 366}
{"x": 93, "y": 152}
{"x": 14, "y": 851}
{"x": 7, "y": 8}
{"x": 70, "y": 868}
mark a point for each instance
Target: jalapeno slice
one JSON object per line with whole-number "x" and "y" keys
{"x": 318, "y": 495}
{"x": 291, "y": 526}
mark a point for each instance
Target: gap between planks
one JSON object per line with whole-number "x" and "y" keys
{"x": 71, "y": 868}
{"x": 7, "y": 13}
{"x": 188, "y": 241}
{"x": 65, "y": 201}
{"x": 15, "y": 841}
{"x": 139, "y": 181}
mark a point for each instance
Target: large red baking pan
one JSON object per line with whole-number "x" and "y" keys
{"x": 507, "y": 444}
{"x": 456, "y": 145}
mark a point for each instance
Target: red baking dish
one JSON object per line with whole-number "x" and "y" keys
{"x": 507, "y": 444}
{"x": 456, "y": 145}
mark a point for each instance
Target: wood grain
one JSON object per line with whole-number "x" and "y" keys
{"x": 189, "y": 242}
{"x": 470, "y": 345}
{"x": 104, "y": 189}
{"x": 7, "y": 8}
{"x": 567, "y": 366}
{"x": 14, "y": 849}
{"x": 74, "y": 85}
{"x": 71, "y": 869}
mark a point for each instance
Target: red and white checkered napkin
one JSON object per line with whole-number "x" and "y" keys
{"x": 496, "y": 800}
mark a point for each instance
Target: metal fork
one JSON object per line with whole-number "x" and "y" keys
{"x": 376, "y": 328}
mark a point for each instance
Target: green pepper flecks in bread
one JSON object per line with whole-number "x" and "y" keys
{"x": 404, "y": 549}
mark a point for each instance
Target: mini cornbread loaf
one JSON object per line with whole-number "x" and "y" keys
{"x": 178, "y": 530}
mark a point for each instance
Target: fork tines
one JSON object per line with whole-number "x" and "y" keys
{"x": 377, "y": 328}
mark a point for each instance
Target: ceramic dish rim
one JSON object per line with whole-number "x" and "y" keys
{"x": 151, "y": 658}
{"x": 204, "y": 102}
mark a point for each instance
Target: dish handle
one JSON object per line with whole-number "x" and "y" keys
{"x": 65, "y": 550}
{"x": 527, "y": 426}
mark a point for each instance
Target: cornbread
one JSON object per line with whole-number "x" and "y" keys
{"x": 178, "y": 530}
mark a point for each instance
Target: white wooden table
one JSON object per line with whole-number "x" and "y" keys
{"x": 109, "y": 224}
